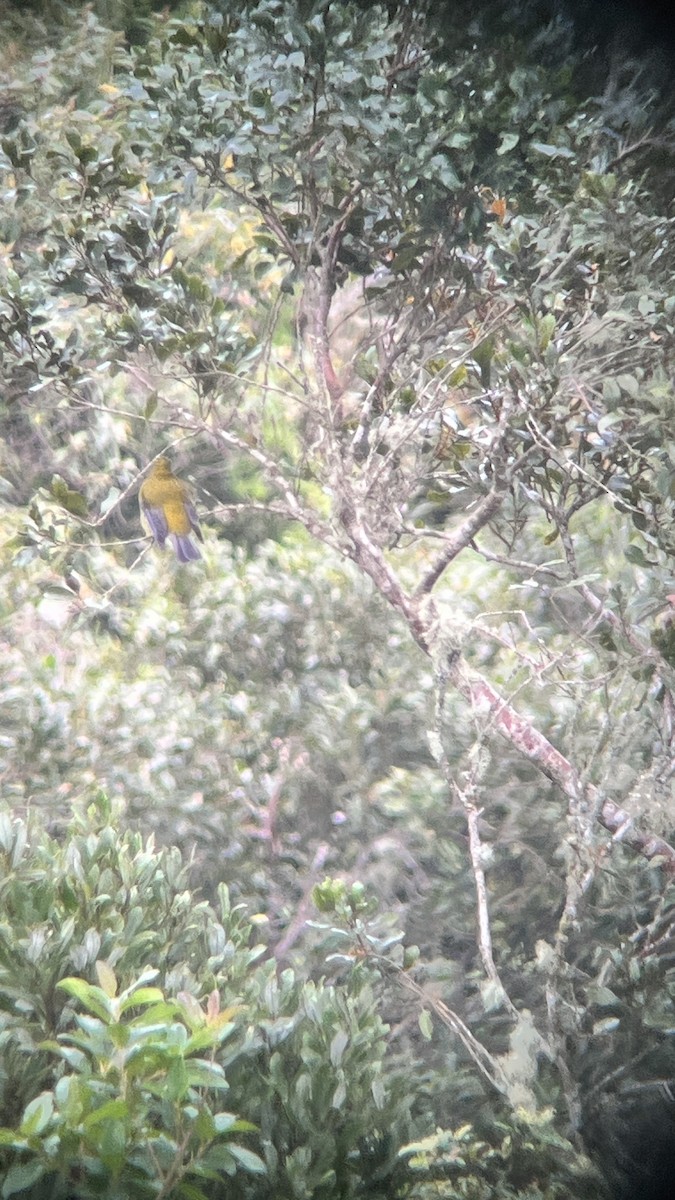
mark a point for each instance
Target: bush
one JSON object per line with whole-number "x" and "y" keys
{"x": 129, "y": 1079}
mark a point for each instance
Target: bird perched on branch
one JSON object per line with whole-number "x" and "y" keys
{"x": 168, "y": 512}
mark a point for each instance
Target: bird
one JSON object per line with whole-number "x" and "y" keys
{"x": 168, "y": 512}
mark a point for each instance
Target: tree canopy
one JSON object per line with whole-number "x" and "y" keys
{"x": 395, "y": 296}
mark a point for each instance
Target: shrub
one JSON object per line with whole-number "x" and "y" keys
{"x": 132, "y": 1079}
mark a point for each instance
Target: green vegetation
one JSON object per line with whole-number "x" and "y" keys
{"x": 336, "y": 863}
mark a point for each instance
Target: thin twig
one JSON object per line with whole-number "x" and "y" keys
{"x": 487, "y": 1064}
{"x": 477, "y": 852}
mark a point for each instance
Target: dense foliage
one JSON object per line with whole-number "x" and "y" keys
{"x": 130, "y": 1092}
{"x": 398, "y": 300}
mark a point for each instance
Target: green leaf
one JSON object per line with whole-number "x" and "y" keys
{"x": 162, "y": 1013}
{"x": 606, "y": 1025}
{"x": 458, "y": 376}
{"x": 112, "y": 1110}
{"x": 218, "y": 1158}
{"x": 205, "y": 1074}
{"x": 91, "y": 997}
{"x": 552, "y": 151}
{"x": 141, "y": 997}
{"x": 20, "y": 1177}
{"x": 178, "y": 1077}
{"x": 188, "y": 1191}
{"x": 338, "y": 1046}
{"x": 112, "y": 1146}
{"x": 545, "y": 329}
{"x": 106, "y": 979}
{"x": 458, "y": 140}
{"x": 247, "y": 1159}
{"x": 426, "y": 1024}
{"x": 151, "y": 405}
{"x": 72, "y": 501}
{"x": 9, "y": 1137}
{"x": 630, "y": 385}
{"x": 224, "y": 1122}
{"x": 37, "y": 1115}
{"x": 508, "y": 141}
{"x": 339, "y": 1096}
{"x": 636, "y": 555}
{"x": 378, "y": 1092}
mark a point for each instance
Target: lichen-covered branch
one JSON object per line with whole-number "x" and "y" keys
{"x": 495, "y": 711}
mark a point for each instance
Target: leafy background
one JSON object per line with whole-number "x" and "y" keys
{"x": 187, "y": 754}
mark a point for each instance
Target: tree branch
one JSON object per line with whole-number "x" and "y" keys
{"x": 326, "y": 286}
{"x": 461, "y": 537}
{"x": 422, "y": 618}
{"x": 486, "y": 701}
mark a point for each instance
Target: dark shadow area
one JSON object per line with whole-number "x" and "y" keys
{"x": 631, "y": 1137}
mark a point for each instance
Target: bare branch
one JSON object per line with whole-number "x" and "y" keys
{"x": 370, "y": 558}
{"x": 516, "y": 564}
{"x": 647, "y": 140}
{"x": 462, "y": 537}
{"x": 325, "y": 287}
{"x": 478, "y": 853}
{"x": 487, "y": 703}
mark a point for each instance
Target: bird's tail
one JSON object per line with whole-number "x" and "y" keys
{"x": 186, "y": 551}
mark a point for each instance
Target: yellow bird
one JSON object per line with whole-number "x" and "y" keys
{"x": 168, "y": 512}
